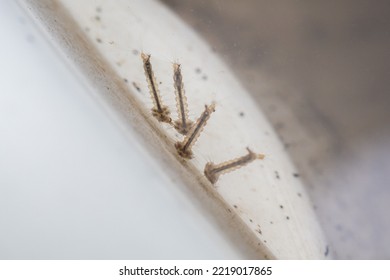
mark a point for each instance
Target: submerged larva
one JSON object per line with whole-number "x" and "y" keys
{"x": 184, "y": 147}
{"x": 213, "y": 171}
{"x": 183, "y": 124}
{"x": 159, "y": 111}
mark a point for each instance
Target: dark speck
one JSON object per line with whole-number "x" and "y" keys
{"x": 126, "y": 81}
{"x": 281, "y": 206}
{"x": 251, "y": 220}
{"x": 229, "y": 210}
{"x": 287, "y": 218}
{"x": 326, "y": 251}
{"x": 98, "y": 9}
{"x": 135, "y": 52}
{"x": 136, "y": 86}
{"x": 242, "y": 114}
{"x": 235, "y": 206}
{"x": 299, "y": 194}
{"x": 97, "y": 18}
{"x": 277, "y": 175}
{"x": 98, "y": 40}
{"x": 271, "y": 222}
{"x": 296, "y": 175}
{"x": 204, "y": 77}
{"x": 265, "y": 241}
{"x": 259, "y": 231}
{"x": 198, "y": 70}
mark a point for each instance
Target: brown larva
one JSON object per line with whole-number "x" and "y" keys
{"x": 159, "y": 111}
{"x": 183, "y": 124}
{"x": 213, "y": 171}
{"x": 184, "y": 147}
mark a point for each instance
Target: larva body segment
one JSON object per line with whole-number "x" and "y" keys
{"x": 213, "y": 171}
{"x": 183, "y": 124}
{"x": 184, "y": 147}
{"x": 159, "y": 111}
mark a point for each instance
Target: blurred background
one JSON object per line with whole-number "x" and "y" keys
{"x": 327, "y": 67}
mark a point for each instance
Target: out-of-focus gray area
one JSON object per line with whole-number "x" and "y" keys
{"x": 325, "y": 69}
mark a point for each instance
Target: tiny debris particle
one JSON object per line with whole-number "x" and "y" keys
{"x": 259, "y": 231}
{"x": 265, "y": 241}
{"x": 135, "y": 52}
{"x": 97, "y": 18}
{"x": 98, "y": 9}
{"x": 204, "y": 77}
{"x": 277, "y": 175}
{"x": 299, "y": 194}
{"x": 99, "y": 40}
{"x": 326, "y": 251}
{"x": 281, "y": 206}
{"x": 242, "y": 114}
{"x": 271, "y": 222}
{"x": 136, "y": 86}
{"x": 296, "y": 175}
{"x": 229, "y": 210}
{"x": 125, "y": 80}
{"x": 287, "y": 218}
{"x": 198, "y": 70}
{"x": 235, "y": 206}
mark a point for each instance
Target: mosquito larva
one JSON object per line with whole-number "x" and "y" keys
{"x": 159, "y": 111}
{"x": 184, "y": 147}
{"x": 213, "y": 171}
{"x": 183, "y": 124}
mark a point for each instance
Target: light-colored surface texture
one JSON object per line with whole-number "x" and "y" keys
{"x": 327, "y": 67}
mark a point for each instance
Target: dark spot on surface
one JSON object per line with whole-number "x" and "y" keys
{"x": 160, "y": 83}
{"x": 287, "y": 218}
{"x": 229, "y": 210}
{"x": 281, "y": 206}
{"x": 259, "y": 231}
{"x": 265, "y": 241}
{"x": 97, "y": 18}
{"x": 326, "y": 251}
{"x": 98, "y": 9}
{"x": 296, "y": 175}
{"x": 277, "y": 176}
{"x": 287, "y": 145}
{"x": 204, "y": 77}
{"x": 235, "y": 206}
{"x": 271, "y": 222}
{"x": 266, "y": 257}
{"x": 136, "y": 86}
{"x": 99, "y": 40}
{"x": 135, "y": 52}
{"x": 125, "y": 80}
{"x": 299, "y": 194}
{"x": 242, "y": 114}
{"x": 198, "y": 70}
{"x": 250, "y": 220}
